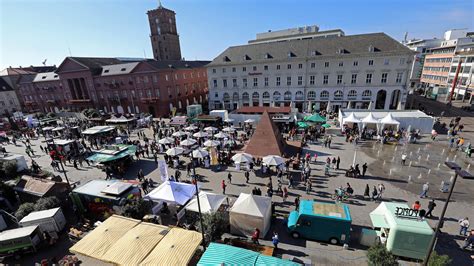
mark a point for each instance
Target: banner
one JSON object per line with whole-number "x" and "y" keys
{"x": 213, "y": 155}
{"x": 163, "y": 170}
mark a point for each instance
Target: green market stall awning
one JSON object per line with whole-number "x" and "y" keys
{"x": 303, "y": 125}
{"x": 112, "y": 153}
{"x": 326, "y": 125}
{"x": 316, "y": 118}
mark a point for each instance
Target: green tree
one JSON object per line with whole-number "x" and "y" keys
{"x": 215, "y": 224}
{"x": 10, "y": 170}
{"x": 47, "y": 203}
{"x": 24, "y": 210}
{"x": 438, "y": 260}
{"x": 7, "y": 192}
{"x": 136, "y": 209}
{"x": 378, "y": 255}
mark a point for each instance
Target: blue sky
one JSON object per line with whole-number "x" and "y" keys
{"x": 33, "y": 30}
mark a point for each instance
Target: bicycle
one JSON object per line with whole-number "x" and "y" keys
{"x": 337, "y": 196}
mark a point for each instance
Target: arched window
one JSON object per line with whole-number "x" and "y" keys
{"x": 366, "y": 94}
{"x": 245, "y": 96}
{"x": 255, "y": 96}
{"x": 311, "y": 95}
{"x": 276, "y": 96}
{"x": 338, "y": 95}
{"x": 352, "y": 94}
{"x": 235, "y": 97}
{"x": 324, "y": 95}
{"x": 299, "y": 95}
{"x": 287, "y": 96}
{"x": 266, "y": 95}
{"x": 226, "y": 97}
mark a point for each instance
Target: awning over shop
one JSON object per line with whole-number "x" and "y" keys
{"x": 316, "y": 118}
{"x": 108, "y": 155}
{"x": 176, "y": 248}
{"x": 98, "y": 130}
{"x": 118, "y": 120}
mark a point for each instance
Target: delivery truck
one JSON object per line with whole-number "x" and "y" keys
{"x": 19, "y": 241}
{"x": 321, "y": 221}
{"x": 51, "y": 221}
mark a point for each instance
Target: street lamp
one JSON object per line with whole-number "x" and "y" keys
{"x": 458, "y": 172}
{"x": 198, "y": 201}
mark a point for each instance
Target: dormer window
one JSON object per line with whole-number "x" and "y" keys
{"x": 268, "y": 56}
{"x": 291, "y": 54}
{"x": 246, "y": 57}
{"x": 226, "y": 59}
{"x": 123, "y": 69}
{"x": 314, "y": 53}
{"x": 43, "y": 77}
{"x": 106, "y": 71}
{"x": 55, "y": 76}
{"x": 373, "y": 49}
{"x": 342, "y": 51}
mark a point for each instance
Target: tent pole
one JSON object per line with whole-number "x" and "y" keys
{"x": 198, "y": 202}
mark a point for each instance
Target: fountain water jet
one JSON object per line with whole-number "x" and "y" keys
{"x": 409, "y": 179}
{"x": 409, "y": 165}
{"x": 439, "y": 164}
{"x": 427, "y": 157}
{"x": 419, "y": 176}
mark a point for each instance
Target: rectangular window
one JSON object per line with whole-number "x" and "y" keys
{"x": 223, "y": 70}
{"x": 138, "y": 79}
{"x": 254, "y": 68}
{"x": 288, "y": 81}
{"x": 288, "y": 66}
{"x": 386, "y": 61}
{"x": 402, "y": 61}
{"x": 145, "y": 79}
{"x": 313, "y": 65}
{"x": 214, "y": 70}
{"x": 326, "y": 64}
{"x": 278, "y": 81}
{"x": 341, "y": 64}
{"x": 265, "y": 67}
{"x": 368, "y": 79}
{"x": 255, "y": 82}
{"x": 325, "y": 79}
{"x": 224, "y": 83}
{"x": 356, "y": 63}
{"x": 155, "y": 79}
{"x": 266, "y": 81}
{"x": 311, "y": 80}
{"x": 354, "y": 79}
{"x": 244, "y": 69}
{"x": 399, "y": 77}
{"x": 278, "y": 67}
{"x": 244, "y": 81}
{"x": 300, "y": 66}
{"x": 339, "y": 79}
{"x": 233, "y": 70}
{"x": 214, "y": 81}
{"x": 300, "y": 80}
{"x": 384, "y": 78}
{"x": 234, "y": 83}
{"x": 371, "y": 62}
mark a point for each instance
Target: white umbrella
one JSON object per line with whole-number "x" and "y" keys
{"x": 209, "y": 202}
{"x": 211, "y": 143}
{"x": 228, "y": 129}
{"x": 178, "y": 134}
{"x": 188, "y": 142}
{"x": 200, "y": 153}
{"x": 242, "y": 158}
{"x": 273, "y": 160}
{"x": 210, "y": 129}
{"x": 175, "y": 151}
{"x": 166, "y": 141}
{"x": 221, "y": 135}
{"x": 200, "y": 134}
{"x": 249, "y": 121}
{"x": 229, "y": 120}
{"x": 191, "y": 128}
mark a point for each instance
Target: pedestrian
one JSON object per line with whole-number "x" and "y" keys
{"x": 141, "y": 175}
{"x": 229, "y": 177}
{"x": 290, "y": 182}
{"x": 75, "y": 164}
{"x": 223, "y": 186}
{"x": 247, "y": 176}
{"x": 338, "y": 161}
{"x": 364, "y": 169}
{"x": 469, "y": 241}
{"x": 145, "y": 186}
{"x": 381, "y": 190}
{"x": 334, "y": 161}
{"x": 404, "y": 158}
{"x": 374, "y": 194}
{"x": 416, "y": 206}
{"x": 275, "y": 240}
{"x": 297, "y": 202}
{"x": 464, "y": 224}
{"x": 367, "y": 191}
{"x": 308, "y": 186}
{"x": 425, "y": 189}
{"x": 285, "y": 194}
{"x": 155, "y": 157}
{"x": 357, "y": 170}
{"x": 431, "y": 206}
{"x": 256, "y": 236}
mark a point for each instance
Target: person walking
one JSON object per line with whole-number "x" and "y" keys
{"x": 256, "y": 236}
{"x": 364, "y": 169}
{"x": 223, "y": 186}
{"x": 404, "y": 158}
{"x": 308, "y": 186}
{"x": 367, "y": 191}
{"x": 297, "y": 203}
{"x": 469, "y": 241}
{"x": 229, "y": 177}
{"x": 247, "y": 176}
{"x": 431, "y": 206}
{"x": 338, "y": 161}
{"x": 464, "y": 224}
{"x": 275, "y": 240}
{"x": 425, "y": 189}
{"x": 416, "y": 206}
{"x": 285, "y": 194}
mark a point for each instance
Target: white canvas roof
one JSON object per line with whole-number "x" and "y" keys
{"x": 121, "y": 119}
{"x": 388, "y": 119}
{"x": 370, "y": 119}
{"x": 351, "y": 119}
{"x": 210, "y": 202}
{"x": 172, "y": 192}
{"x": 17, "y": 233}
{"x": 97, "y": 129}
{"x": 39, "y": 215}
{"x": 252, "y": 205}
{"x": 117, "y": 188}
{"x": 63, "y": 142}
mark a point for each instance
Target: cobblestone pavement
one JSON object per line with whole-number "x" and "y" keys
{"x": 403, "y": 184}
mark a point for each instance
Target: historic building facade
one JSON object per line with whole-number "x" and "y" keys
{"x": 313, "y": 71}
{"x": 163, "y": 34}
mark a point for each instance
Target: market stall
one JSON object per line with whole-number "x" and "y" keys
{"x": 172, "y": 192}
{"x": 407, "y": 235}
{"x": 250, "y": 212}
{"x": 117, "y": 157}
{"x": 98, "y": 130}
{"x": 209, "y": 202}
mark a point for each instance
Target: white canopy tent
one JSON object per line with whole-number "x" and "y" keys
{"x": 172, "y": 192}
{"x": 98, "y": 130}
{"x": 370, "y": 120}
{"x": 210, "y": 202}
{"x": 388, "y": 120}
{"x": 242, "y": 158}
{"x": 250, "y": 212}
{"x": 351, "y": 119}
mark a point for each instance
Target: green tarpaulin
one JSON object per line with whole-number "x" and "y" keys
{"x": 326, "y": 125}
{"x": 316, "y": 118}
{"x": 302, "y": 125}
{"x": 103, "y": 157}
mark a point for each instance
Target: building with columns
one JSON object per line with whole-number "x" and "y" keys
{"x": 117, "y": 85}
{"x": 312, "y": 70}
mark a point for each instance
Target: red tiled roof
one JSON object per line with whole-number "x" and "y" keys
{"x": 262, "y": 109}
{"x": 266, "y": 140}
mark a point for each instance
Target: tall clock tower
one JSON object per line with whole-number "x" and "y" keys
{"x": 163, "y": 34}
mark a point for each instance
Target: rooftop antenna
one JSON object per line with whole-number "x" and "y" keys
{"x": 159, "y": 3}
{"x": 406, "y": 37}
{"x": 144, "y": 53}
{"x": 44, "y": 62}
